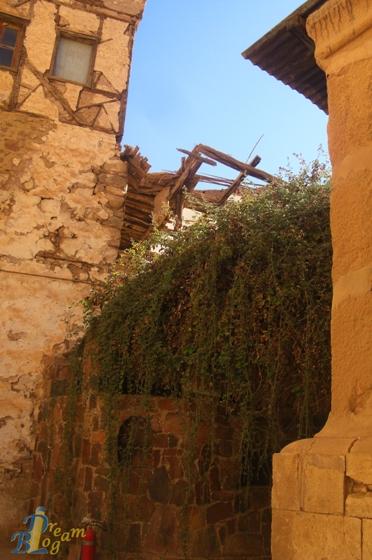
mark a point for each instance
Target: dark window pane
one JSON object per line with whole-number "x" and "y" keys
{"x": 6, "y": 56}
{"x": 9, "y": 37}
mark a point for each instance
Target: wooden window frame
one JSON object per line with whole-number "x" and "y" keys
{"x": 20, "y": 25}
{"x": 78, "y": 37}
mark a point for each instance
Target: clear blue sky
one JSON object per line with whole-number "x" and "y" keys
{"x": 190, "y": 84}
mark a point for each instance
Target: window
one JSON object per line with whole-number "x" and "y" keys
{"x": 73, "y": 59}
{"x": 10, "y": 43}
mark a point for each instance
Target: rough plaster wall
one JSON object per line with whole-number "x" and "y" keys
{"x": 61, "y": 209}
{"x": 56, "y": 235}
{"x": 48, "y": 191}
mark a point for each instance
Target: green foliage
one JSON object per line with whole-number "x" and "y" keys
{"x": 235, "y": 310}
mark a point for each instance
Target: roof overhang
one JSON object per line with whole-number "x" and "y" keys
{"x": 287, "y": 53}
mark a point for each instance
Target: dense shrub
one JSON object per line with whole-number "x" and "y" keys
{"x": 235, "y": 310}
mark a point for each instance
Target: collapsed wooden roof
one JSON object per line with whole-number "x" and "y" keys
{"x": 145, "y": 188}
{"x": 287, "y": 53}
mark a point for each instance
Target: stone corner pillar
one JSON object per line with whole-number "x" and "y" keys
{"x": 322, "y": 487}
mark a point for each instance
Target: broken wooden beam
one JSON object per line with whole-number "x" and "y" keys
{"x": 188, "y": 171}
{"x": 234, "y": 163}
{"x": 203, "y": 159}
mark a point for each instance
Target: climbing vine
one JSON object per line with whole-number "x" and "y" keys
{"x": 236, "y": 307}
{"x": 232, "y": 315}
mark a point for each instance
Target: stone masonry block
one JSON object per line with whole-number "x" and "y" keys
{"x": 367, "y": 539}
{"x": 324, "y": 483}
{"x": 331, "y": 445}
{"x": 362, "y": 446}
{"x": 359, "y": 467}
{"x": 309, "y": 536}
{"x": 298, "y": 447}
{"x": 359, "y": 505}
{"x": 286, "y": 481}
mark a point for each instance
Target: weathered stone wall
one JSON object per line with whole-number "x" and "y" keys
{"x": 32, "y": 88}
{"x": 62, "y": 188}
{"x": 322, "y": 499}
{"x": 169, "y": 496}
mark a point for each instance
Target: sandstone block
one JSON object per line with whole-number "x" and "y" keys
{"x": 219, "y": 511}
{"x": 6, "y": 88}
{"x": 323, "y": 483}
{"x": 79, "y": 21}
{"x": 196, "y": 518}
{"x": 88, "y": 98}
{"x": 103, "y": 121}
{"x": 159, "y": 487}
{"x": 359, "y": 505}
{"x": 359, "y": 467}
{"x": 115, "y": 190}
{"x": 40, "y": 36}
{"x": 331, "y": 445}
{"x": 300, "y": 446}
{"x": 102, "y": 83}
{"x": 367, "y": 539}
{"x": 180, "y": 493}
{"x": 134, "y": 537}
{"x": 88, "y": 115}
{"x": 109, "y": 50}
{"x": 88, "y": 479}
{"x": 202, "y": 493}
{"x": 205, "y": 543}
{"x": 116, "y": 166}
{"x": 362, "y": 446}
{"x": 286, "y": 481}
{"x": 139, "y": 508}
{"x": 112, "y": 109}
{"x": 129, "y": 7}
{"x": 96, "y": 454}
{"x": 163, "y": 536}
{"x": 115, "y": 202}
{"x": 309, "y": 536}
{"x": 250, "y": 545}
{"x": 174, "y": 424}
{"x": 111, "y": 180}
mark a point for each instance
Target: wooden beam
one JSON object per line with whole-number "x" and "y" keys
{"x": 204, "y": 160}
{"x": 228, "y": 160}
{"x": 236, "y": 184}
{"x": 188, "y": 170}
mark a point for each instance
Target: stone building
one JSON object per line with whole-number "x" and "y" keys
{"x": 61, "y": 205}
{"x": 169, "y": 487}
{"x": 322, "y": 499}
{"x": 64, "y": 69}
